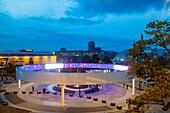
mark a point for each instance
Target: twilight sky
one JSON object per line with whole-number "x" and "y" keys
{"x": 48, "y": 25}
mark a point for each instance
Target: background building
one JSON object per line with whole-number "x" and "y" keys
{"x": 91, "y": 46}
{"x": 120, "y": 58}
{"x": 23, "y": 58}
{"x": 10, "y": 60}
{"x": 77, "y": 55}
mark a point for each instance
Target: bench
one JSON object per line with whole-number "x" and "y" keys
{"x": 23, "y": 92}
{"x": 4, "y": 103}
{"x": 103, "y": 101}
{"x": 54, "y": 93}
{"x": 95, "y": 99}
{"x": 30, "y": 92}
{"x": 38, "y": 92}
{"x": 6, "y": 93}
{"x": 81, "y": 96}
{"x": 71, "y": 95}
{"x": 88, "y": 97}
{"x": 15, "y": 92}
{"x": 112, "y": 104}
{"x": 119, "y": 107}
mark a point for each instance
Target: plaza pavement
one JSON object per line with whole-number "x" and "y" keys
{"x": 41, "y": 102}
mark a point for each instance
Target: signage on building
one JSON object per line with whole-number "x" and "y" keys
{"x": 3, "y": 62}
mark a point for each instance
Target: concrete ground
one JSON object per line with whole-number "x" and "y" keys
{"x": 112, "y": 93}
{"x": 50, "y": 103}
{"x": 8, "y": 109}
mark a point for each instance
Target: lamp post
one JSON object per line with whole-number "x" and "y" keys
{"x": 62, "y": 95}
{"x": 19, "y": 84}
{"x": 133, "y": 86}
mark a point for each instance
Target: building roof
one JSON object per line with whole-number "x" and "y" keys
{"x": 121, "y": 57}
{"x": 26, "y": 53}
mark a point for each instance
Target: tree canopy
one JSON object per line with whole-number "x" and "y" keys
{"x": 146, "y": 63}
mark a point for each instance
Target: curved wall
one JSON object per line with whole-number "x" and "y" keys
{"x": 70, "y": 78}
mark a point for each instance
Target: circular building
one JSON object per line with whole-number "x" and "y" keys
{"x": 41, "y": 74}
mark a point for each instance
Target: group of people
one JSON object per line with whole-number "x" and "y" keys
{"x": 4, "y": 78}
{"x": 44, "y": 90}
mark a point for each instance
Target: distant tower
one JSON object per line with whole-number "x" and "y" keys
{"x": 91, "y": 46}
{"x": 63, "y": 49}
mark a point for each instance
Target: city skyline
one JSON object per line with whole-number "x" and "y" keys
{"x": 48, "y": 26}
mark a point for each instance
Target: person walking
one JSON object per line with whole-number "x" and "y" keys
{"x": 79, "y": 92}
{"x": 126, "y": 86}
{"x": 32, "y": 88}
{"x": 44, "y": 90}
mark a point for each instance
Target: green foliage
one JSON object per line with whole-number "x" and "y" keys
{"x": 11, "y": 65}
{"x": 146, "y": 64}
{"x": 95, "y": 58}
{"x": 31, "y": 61}
{"x": 106, "y": 60}
{"x": 86, "y": 59}
{"x": 160, "y": 33}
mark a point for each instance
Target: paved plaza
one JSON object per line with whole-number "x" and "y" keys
{"x": 112, "y": 93}
{"x": 51, "y": 103}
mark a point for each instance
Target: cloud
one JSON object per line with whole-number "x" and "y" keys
{"x": 35, "y": 8}
{"x": 27, "y": 27}
{"x": 58, "y": 23}
{"x": 79, "y": 21}
{"x": 74, "y": 12}
{"x": 90, "y": 8}
{"x": 38, "y": 28}
{"x": 86, "y": 8}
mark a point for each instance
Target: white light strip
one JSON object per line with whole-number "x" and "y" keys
{"x": 120, "y": 67}
{"x": 54, "y": 66}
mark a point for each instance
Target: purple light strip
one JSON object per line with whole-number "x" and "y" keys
{"x": 77, "y": 65}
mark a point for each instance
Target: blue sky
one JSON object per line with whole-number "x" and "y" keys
{"x": 48, "y": 25}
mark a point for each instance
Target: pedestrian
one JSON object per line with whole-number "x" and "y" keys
{"x": 44, "y": 90}
{"x": 123, "y": 85}
{"x": 92, "y": 90}
{"x": 6, "y": 78}
{"x": 32, "y": 88}
{"x": 79, "y": 92}
{"x": 126, "y": 86}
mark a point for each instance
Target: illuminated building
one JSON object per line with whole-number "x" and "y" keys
{"x": 24, "y": 58}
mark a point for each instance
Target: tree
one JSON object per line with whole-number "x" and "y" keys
{"x": 86, "y": 59}
{"x": 95, "y": 58}
{"x": 146, "y": 64}
{"x": 11, "y": 65}
{"x": 73, "y": 59}
{"x": 106, "y": 60}
{"x": 31, "y": 61}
